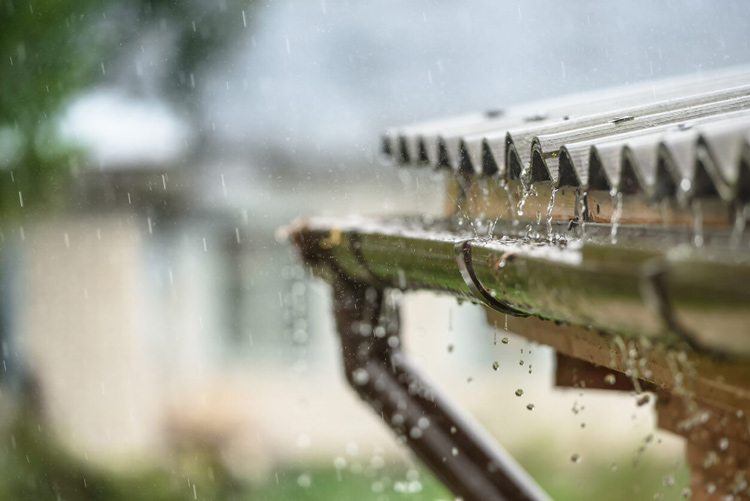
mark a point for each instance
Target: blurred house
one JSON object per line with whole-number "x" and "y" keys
{"x": 157, "y": 313}
{"x": 119, "y": 305}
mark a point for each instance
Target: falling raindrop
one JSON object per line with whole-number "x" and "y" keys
{"x": 360, "y": 376}
{"x": 610, "y": 379}
{"x": 339, "y": 462}
{"x": 495, "y": 365}
{"x": 304, "y": 480}
{"x": 530, "y": 407}
{"x": 519, "y": 392}
{"x": 616, "y": 216}
{"x": 576, "y": 458}
{"x": 549, "y": 213}
{"x": 506, "y": 340}
{"x": 303, "y": 441}
{"x": 697, "y": 222}
{"x": 723, "y": 444}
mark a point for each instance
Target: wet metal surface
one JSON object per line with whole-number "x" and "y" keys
{"x": 617, "y": 215}
{"x": 690, "y": 141}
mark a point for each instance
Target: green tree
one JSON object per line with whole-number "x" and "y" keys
{"x": 52, "y": 50}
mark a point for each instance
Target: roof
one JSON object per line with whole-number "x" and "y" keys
{"x": 683, "y": 138}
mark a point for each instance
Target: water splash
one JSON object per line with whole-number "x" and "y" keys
{"x": 491, "y": 228}
{"x": 522, "y": 202}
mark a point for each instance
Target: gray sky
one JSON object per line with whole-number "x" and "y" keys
{"x": 324, "y": 77}
{"x": 334, "y": 73}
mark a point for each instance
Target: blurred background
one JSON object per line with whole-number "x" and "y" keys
{"x": 158, "y": 342}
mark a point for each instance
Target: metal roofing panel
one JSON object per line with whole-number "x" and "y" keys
{"x": 686, "y": 132}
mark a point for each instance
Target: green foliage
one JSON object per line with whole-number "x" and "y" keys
{"x": 327, "y": 483}
{"x": 599, "y": 475}
{"x": 34, "y": 466}
{"x": 43, "y": 59}
{"x": 52, "y": 50}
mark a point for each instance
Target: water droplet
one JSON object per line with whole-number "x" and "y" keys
{"x": 610, "y": 379}
{"x": 615, "y": 219}
{"x": 304, "y": 481}
{"x": 530, "y": 407}
{"x": 687, "y": 493}
{"x": 454, "y": 451}
{"x": 519, "y": 392}
{"x": 668, "y": 481}
{"x": 697, "y": 223}
{"x": 506, "y": 340}
{"x": 453, "y": 430}
{"x": 724, "y": 444}
{"x": 450, "y": 348}
{"x": 352, "y": 449}
{"x": 520, "y": 362}
{"x": 613, "y": 467}
{"x": 643, "y": 400}
{"x": 576, "y": 458}
{"x": 407, "y": 487}
{"x": 360, "y": 376}
{"x": 495, "y": 365}
{"x": 303, "y": 441}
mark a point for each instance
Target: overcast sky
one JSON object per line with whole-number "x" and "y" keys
{"x": 329, "y": 75}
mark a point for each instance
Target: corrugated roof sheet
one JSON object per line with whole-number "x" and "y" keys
{"x": 681, "y": 138}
